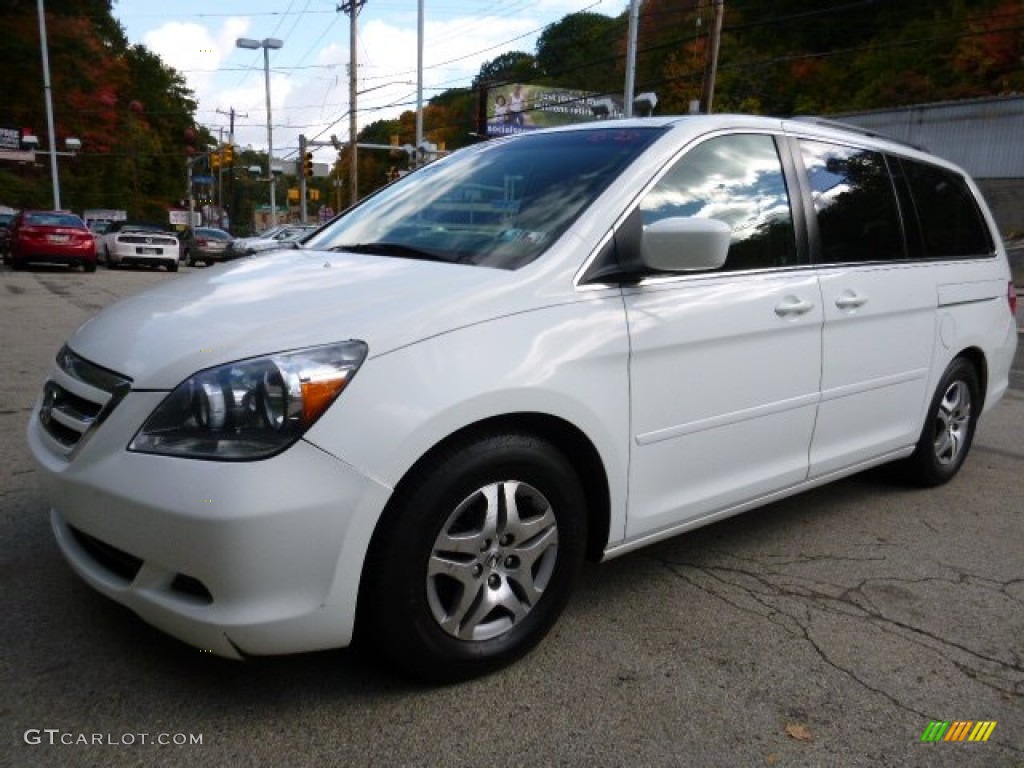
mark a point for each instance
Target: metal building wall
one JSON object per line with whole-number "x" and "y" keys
{"x": 984, "y": 136}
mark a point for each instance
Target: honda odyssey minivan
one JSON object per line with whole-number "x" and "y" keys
{"x": 564, "y": 344}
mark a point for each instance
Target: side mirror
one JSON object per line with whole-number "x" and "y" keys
{"x": 685, "y": 244}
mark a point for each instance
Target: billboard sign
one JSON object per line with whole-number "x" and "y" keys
{"x": 10, "y": 139}
{"x": 517, "y": 108}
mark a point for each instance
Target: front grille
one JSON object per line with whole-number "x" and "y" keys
{"x": 77, "y": 398}
{"x": 113, "y": 559}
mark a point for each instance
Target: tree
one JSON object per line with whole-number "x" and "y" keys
{"x": 511, "y": 67}
{"x": 130, "y": 158}
{"x": 582, "y": 50}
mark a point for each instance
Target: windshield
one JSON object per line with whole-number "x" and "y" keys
{"x": 499, "y": 204}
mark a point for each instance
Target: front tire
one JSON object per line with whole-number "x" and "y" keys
{"x": 475, "y": 558}
{"x": 948, "y": 428}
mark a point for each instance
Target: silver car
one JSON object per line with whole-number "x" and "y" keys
{"x": 207, "y": 245}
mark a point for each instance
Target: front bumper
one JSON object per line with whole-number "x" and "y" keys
{"x": 235, "y": 558}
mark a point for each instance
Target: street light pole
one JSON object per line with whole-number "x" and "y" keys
{"x": 47, "y": 89}
{"x": 266, "y": 44}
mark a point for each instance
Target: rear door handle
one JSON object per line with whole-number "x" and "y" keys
{"x": 850, "y": 299}
{"x": 792, "y": 306}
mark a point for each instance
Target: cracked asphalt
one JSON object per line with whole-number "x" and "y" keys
{"x": 825, "y": 630}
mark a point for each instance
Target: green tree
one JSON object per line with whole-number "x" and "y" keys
{"x": 511, "y": 67}
{"x": 582, "y": 50}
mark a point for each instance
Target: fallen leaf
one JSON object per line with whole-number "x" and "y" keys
{"x": 798, "y": 731}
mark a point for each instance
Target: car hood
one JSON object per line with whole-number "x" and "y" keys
{"x": 289, "y": 300}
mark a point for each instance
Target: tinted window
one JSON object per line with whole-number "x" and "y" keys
{"x": 738, "y": 180}
{"x": 858, "y": 219}
{"x": 53, "y": 220}
{"x": 947, "y": 214}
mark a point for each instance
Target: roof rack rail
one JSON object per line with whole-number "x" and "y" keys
{"x": 840, "y": 125}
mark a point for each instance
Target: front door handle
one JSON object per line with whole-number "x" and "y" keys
{"x": 792, "y": 306}
{"x": 850, "y": 299}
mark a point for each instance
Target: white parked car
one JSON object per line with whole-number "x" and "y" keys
{"x": 132, "y": 243}
{"x": 564, "y": 344}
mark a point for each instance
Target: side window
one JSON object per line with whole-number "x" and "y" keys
{"x": 858, "y": 219}
{"x": 739, "y": 180}
{"x": 948, "y": 218}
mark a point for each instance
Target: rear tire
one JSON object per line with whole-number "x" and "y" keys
{"x": 948, "y": 428}
{"x": 172, "y": 266}
{"x": 88, "y": 266}
{"x": 474, "y": 559}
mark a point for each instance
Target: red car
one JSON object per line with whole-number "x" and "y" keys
{"x": 53, "y": 237}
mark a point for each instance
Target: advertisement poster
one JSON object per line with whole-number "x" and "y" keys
{"x": 516, "y": 108}
{"x": 10, "y": 139}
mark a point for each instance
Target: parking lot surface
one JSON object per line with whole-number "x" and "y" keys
{"x": 828, "y": 629}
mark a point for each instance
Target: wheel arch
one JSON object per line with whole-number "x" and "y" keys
{"x": 976, "y": 357}
{"x": 577, "y": 448}
{"x": 573, "y": 443}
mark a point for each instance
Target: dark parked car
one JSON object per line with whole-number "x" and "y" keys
{"x": 53, "y": 237}
{"x": 206, "y": 245}
{"x": 6, "y": 220}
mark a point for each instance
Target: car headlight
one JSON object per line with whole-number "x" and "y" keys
{"x": 250, "y": 409}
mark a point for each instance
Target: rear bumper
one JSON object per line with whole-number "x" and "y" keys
{"x": 66, "y": 256}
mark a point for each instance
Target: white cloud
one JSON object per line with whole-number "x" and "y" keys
{"x": 309, "y": 76}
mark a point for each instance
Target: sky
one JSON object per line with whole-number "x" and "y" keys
{"x": 309, "y": 75}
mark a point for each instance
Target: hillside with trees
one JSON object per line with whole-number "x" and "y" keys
{"x": 781, "y": 58}
{"x": 786, "y": 57}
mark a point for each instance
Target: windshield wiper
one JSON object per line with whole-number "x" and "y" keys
{"x": 392, "y": 249}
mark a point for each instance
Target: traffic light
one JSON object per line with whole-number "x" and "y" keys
{"x": 229, "y": 154}
{"x": 307, "y": 165}
{"x": 214, "y": 160}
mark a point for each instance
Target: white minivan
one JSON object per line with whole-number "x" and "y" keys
{"x": 558, "y": 345}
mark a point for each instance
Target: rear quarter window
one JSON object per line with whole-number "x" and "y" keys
{"x": 944, "y": 212}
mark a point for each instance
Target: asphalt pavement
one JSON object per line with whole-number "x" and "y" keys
{"x": 830, "y": 629}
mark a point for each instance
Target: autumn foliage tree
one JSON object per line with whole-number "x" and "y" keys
{"x": 128, "y": 109}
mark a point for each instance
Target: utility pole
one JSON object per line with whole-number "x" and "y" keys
{"x": 352, "y": 8}
{"x": 419, "y": 73}
{"x": 231, "y": 140}
{"x": 302, "y": 177}
{"x": 634, "y": 22}
{"x": 220, "y": 176}
{"x": 711, "y": 65}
